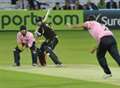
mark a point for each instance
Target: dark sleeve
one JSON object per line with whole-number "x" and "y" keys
{"x": 41, "y": 29}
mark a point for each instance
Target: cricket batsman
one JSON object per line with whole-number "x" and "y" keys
{"x": 51, "y": 40}
{"x": 25, "y": 39}
{"x": 105, "y": 42}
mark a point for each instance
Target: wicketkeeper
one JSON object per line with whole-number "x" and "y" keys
{"x": 25, "y": 39}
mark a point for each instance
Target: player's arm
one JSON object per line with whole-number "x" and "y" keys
{"x": 75, "y": 25}
{"x": 38, "y": 36}
{"x": 19, "y": 42}
{"x": 94, "y": 49}
{"x": 20, "y": 45}
{"x": 37, "y": 33}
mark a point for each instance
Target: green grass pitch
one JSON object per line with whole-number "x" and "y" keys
{"x": 73, "y": 49}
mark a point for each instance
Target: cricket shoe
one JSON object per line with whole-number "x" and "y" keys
{"x": 59, "y": 65}
{"x": 106, "y": 76}
{"x": 34, "y": 64}
{"x": 16, "y": 65}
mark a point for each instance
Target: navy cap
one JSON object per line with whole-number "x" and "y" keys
{"x": 91, "y": 18}
{"x": 23, "y": 27}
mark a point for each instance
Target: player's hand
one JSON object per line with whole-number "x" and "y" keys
{"x": 26, "y": 45}
{"x": 68, "y": 25}
{"x": 93, "y": 51}
{"x": 21, "y": 46}
{"x": 37, "y": 34}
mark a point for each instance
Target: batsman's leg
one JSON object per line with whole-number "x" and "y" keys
{"x": 49, "y": 49}
{"x": 53, "y": 56}
{"x": 34, "y": 54}
{"x": 41, "y": 56}
{"x": 16, "y": 53}
{"x": 53, "y": 43}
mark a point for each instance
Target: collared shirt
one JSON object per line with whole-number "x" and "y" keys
{"x": 28, "y": 39}
{"x": 97, "y": 30}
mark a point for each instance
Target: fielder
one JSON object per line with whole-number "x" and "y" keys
{"x": 105, "y": 40}
{"x": 51, "y": 40}
{"x": 25, "y": 39}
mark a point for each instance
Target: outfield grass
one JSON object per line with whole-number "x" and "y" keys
{"x": 13, "y": 79}
{"x": 74, "y": 48}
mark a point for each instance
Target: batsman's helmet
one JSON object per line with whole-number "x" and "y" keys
{"x": 39, "y": 19}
